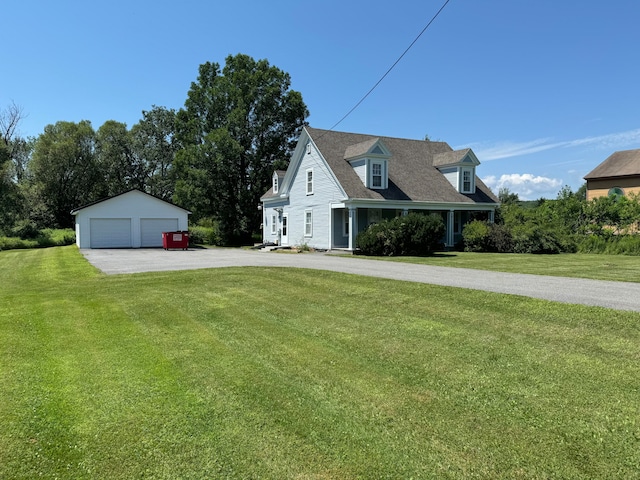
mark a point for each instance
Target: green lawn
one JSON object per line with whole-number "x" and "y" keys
{"x": 287, "y": 373}
{"x": 624, "y": 268}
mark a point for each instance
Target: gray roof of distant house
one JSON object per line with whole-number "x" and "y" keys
{"x": 619, "y": 164}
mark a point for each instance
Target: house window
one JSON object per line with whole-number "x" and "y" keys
{"x": 275, "y": 184}
{"x": 616, "y": 192}
{"x": 308, "y": 223}
{"x": 374, "y": 215}
{"x": 376, "y": 175}
{"x": 274, "y": 224}
{"x": 466, "y": 181}
{"x": 310, "y": 182}
{"x": 345, "y": 223}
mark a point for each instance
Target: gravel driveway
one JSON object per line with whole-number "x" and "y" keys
{"x": 617, "y": 295}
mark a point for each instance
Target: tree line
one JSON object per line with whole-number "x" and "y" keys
{"x": 215, "y": 156}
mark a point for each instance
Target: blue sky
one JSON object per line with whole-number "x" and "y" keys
{"x": 543, "y": 90}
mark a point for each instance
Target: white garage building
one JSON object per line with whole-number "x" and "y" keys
{"x": 130, "y": 220}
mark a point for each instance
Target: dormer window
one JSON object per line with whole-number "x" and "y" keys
{"x": 459, "y": 167}
{"x": 370, "y": 161}
{"x": 275, "y": 184}
{"x": 376, "y": 175}
{"x": 467, "y": 180}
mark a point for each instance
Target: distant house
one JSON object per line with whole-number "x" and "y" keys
{"x": 132, "y": 219}
{"x": 338, "y": 183}
{"x": 619, "y": 174}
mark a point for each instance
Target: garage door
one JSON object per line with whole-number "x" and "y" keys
{"x": 151, "y": 230}
{"x": 110, "y": 232}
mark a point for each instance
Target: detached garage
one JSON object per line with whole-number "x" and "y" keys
{"x": 130, "y": 220}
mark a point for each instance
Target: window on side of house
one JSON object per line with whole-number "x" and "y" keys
{"x": 309, "y": 177}
{"x": 616, "y": 192}
{"x": 275, "y": 184}
{"x": 274, "y": 224}
{"x": 308, "y": 223}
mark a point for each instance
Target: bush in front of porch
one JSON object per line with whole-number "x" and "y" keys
{"x": 413, "y": 234}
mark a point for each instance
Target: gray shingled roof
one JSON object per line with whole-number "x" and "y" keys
{"x": 412, "y": 174}
{"x": 619, "y": 164}
{"x": 449, "y": 158}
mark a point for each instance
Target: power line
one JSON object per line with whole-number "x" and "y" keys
{"x": 391, "y": 67}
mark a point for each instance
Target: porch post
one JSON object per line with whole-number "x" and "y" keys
{"x": 352, "y": 228}
{"x": 450, "y": 225}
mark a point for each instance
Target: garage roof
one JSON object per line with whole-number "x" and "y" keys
{"x": 76, "y": 210}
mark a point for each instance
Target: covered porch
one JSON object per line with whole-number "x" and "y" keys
{"x": 348, "y": 219}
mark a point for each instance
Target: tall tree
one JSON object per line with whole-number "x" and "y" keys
{"x": 238, "y": 125}
{"x": 154, "y": 145}
{"x": 115, "y": 159}
{"x": 64, "y": 171}
{"x": 14, "y": 152}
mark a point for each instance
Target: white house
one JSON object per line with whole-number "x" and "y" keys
{"x": 130, "y": 220}
{"x": 338, "y": 183}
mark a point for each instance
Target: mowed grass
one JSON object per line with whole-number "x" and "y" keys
{"x": 623, "y": 268}
{"x": 288, "y": 373}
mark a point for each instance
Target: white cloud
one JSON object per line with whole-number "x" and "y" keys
{"x": 509, "y": 149}
{"x": 526, "y": 185}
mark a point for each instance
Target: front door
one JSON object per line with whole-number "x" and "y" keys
{"x": 284, "y": 238}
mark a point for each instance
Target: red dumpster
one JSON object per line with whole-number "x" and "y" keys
{"x": 175, "y": 240}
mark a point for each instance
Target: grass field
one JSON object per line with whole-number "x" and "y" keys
{"x": 286, "y": 373}
{"x": 624, "y": 268}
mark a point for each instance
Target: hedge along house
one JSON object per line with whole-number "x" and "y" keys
{"x": 618, "y": 175}
{"x": 338, "y": 183}
{"x": 130, "y": 220}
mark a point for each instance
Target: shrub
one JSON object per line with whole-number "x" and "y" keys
{"x": 43, "y": 238}
{"x": 613, "y": 245}
{"x": 531, "y": 238}
{"x": 201, "y": 235}
{"x": 475, "y": 235}
{"x": 412, "y": 234}
{"x": 500, "y": 239}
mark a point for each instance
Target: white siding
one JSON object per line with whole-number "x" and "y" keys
{"x": 360, "y": 167}
{"x": 325, "y": 192}
{"x": 133, "y": 206}
{"x": 451, "y": 174}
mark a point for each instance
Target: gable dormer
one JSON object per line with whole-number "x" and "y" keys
{"x": 370, "y": 161}
{"x": 276, "y": 180}
{"x": 459, "y": 167}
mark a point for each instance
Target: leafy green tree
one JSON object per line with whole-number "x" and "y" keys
{"x": 238, "y": 125}
{"x": 155, "y": 145}
{"x": 115, "y": 160}
{"x": 64, "y": 172}
{"x": 507, "y": 197}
